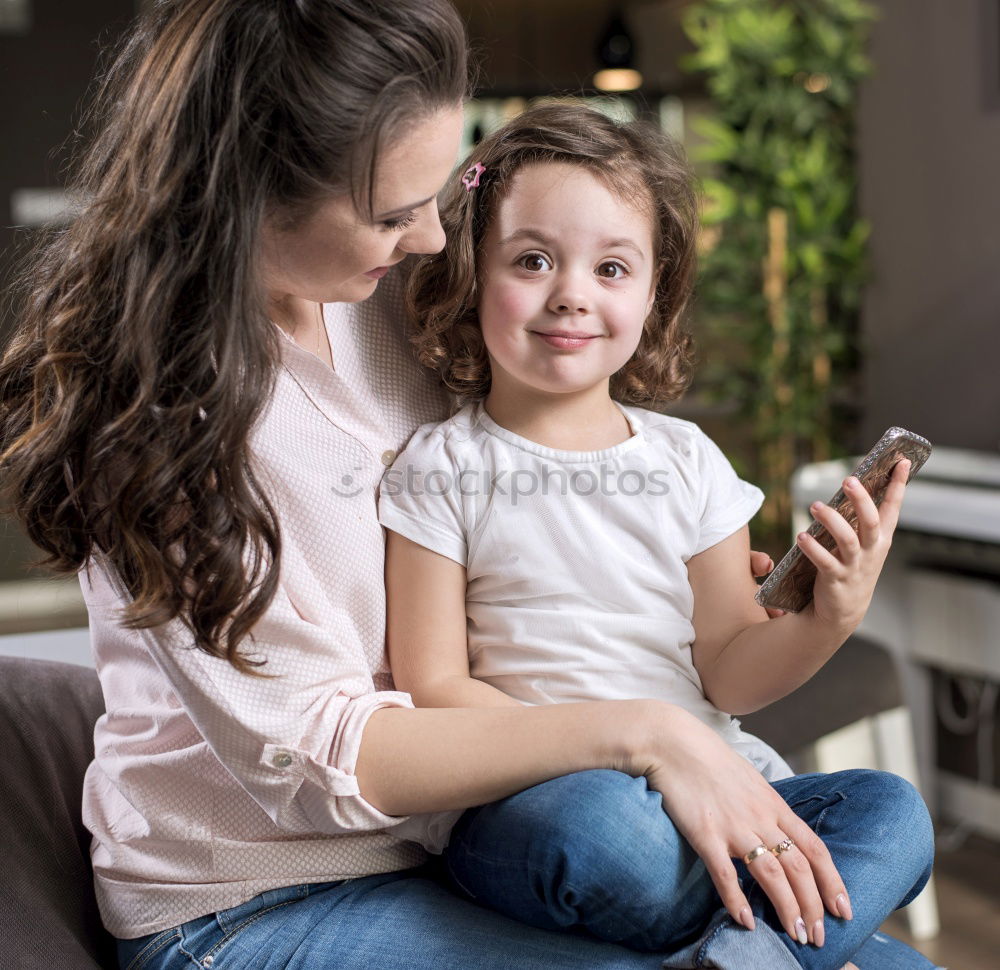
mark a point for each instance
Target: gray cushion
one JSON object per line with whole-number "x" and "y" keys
{"x": 48, "y": 914}
{"x": 861, "y": 679}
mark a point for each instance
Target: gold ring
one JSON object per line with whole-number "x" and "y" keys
{"x": 783, "y": 846}
{"x": 754, "y": 852}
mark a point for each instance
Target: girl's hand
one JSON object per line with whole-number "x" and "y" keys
{"x": 760, "y": 565}
{"x": 846, "y": 577}
{"x": 725, "y": 808}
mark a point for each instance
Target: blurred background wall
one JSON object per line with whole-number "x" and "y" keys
{"x": 929, "y": 145}
{"x": 930, "y": 184}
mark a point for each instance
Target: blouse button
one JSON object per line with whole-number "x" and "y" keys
{"x": 388, "y": 457}
{"x": 281, "y": 760}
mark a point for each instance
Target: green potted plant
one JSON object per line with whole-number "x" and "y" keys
{"x": 783, "y": 260}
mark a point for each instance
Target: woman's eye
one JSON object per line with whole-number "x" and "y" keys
{"x": 403, "y": 222}
{"x": 611, "y": 271}
{"x": 535, "y": 262}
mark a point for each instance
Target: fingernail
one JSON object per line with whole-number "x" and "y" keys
{"x": 844, "y": 907}
{"x": 746, "y": 918}
{"x": 800, "y": 931}
{"x": 819, "y": 933}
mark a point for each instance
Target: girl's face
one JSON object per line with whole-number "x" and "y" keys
{"x": 568, "y": 279}
{"x": 337, "y": 254}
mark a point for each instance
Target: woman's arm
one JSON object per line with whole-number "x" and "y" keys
{"x": 434, "y": 759}
{"x": 745, "y": 664}
{"x": 426, "y": 629}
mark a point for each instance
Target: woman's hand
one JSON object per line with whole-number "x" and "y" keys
{"x": 725, "y": 808}
{"x": 846, "y": 577}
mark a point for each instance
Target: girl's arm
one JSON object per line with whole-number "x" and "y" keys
{"x": 744, "y": 663}
{"x": 426, "y": 629}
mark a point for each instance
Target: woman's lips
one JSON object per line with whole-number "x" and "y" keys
{"x": 377, "y": 273}
{"x": 565, "y": 341}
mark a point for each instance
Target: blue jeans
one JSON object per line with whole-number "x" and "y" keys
{"x": 401, "y": 919}
{"x": 605, "y": 870}
{"x": 596, "y": 851}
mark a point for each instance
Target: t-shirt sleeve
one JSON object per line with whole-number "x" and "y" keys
{"x": 727, "y": 503}
{"x": 420, "y": 496}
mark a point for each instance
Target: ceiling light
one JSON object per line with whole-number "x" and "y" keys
{"x": 617, "y": 79}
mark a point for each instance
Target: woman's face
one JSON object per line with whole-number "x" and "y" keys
{"x": 336, "y": 254}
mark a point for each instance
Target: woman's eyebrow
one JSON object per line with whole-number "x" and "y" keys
{"x": 403, "y": 209}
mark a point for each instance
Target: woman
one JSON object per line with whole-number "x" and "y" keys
{"x": 197, "y": 410}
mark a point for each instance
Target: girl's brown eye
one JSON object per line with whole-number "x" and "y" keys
{"x": 534, "y": 262}
{"x": 611, "y": 271}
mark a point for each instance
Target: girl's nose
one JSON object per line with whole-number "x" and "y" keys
{"x": 569, "y": 296}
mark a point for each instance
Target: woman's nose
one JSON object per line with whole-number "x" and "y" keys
{"x": 427, "y": 235}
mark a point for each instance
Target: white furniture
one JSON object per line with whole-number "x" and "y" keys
{"x": 70, "y": 646}
{"x": 937, "y": 605}
{"x": 45, "y": 619}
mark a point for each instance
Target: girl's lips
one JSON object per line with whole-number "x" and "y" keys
{"x": 377, "y": 273}
{"x": 565, "y": 341}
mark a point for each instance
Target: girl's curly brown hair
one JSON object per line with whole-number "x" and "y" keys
{"x": 640, "y": 165}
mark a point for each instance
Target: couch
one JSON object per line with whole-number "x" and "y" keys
{"x": 48, "y": 914}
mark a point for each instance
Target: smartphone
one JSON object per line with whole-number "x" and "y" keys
{"x": 789, "y": 587}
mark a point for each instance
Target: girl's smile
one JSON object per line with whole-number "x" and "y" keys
{"x": 565, "y": 340}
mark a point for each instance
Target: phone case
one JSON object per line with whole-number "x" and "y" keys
{"x": 790, "y": 586}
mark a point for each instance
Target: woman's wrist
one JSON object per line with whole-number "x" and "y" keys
{"x": 652, "y": 724}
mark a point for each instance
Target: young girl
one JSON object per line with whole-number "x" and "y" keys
{"x": 555, "y": 542}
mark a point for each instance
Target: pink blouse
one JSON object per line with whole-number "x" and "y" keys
{"x": 209, "y": 786}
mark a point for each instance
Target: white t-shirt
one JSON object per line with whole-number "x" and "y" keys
{"x": 576, "y": 561}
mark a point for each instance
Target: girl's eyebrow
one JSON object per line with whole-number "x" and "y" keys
{"x": 526, "y": 232}
{"x": 537, "y": 235}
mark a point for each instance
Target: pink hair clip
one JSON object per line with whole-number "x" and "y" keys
{"x": 472, "y": 175}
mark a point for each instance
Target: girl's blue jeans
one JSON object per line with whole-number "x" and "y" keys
{"x": 584, "y": 871}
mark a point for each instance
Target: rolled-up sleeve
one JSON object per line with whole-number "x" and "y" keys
{"x": 289, "y": 735}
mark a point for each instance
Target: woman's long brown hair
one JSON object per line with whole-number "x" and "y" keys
{"x": 143, "y": 356}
